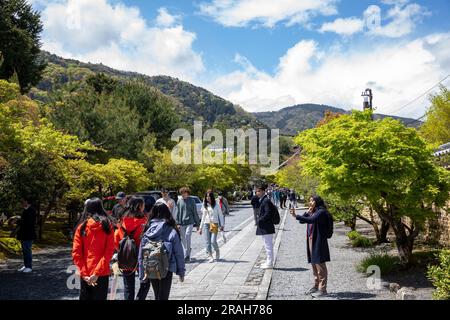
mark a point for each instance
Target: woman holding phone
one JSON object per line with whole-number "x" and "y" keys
{"x": 316, "y": 243}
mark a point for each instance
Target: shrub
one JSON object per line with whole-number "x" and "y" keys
{"x": 352, "y": 235}
{"x": 440, "y": 276}
{"x": 385, "y": 262}
{"x": 362, "y": 242}
{"x": 358, "y": 240}
{"x": 10, "y": 246}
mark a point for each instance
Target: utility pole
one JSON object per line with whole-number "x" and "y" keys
{"x": 368, "y": 99}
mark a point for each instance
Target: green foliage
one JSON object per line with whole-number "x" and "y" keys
{"x": 440, "y": 276}
{"x": 362, "y": 242}
{"x": 352, "y": 235}
{"x": 358, "y": 240}
{"x": 10, "y": 246}
{"x": 20, "y": 43}
{"x": 294, "y": 177}
{"x": 385, "y": 262}
{"x": 102, "y": 83}
{"x": 381, "y": 161}
{"x": 120, "y": 121}
{"x": 436, "y": 128}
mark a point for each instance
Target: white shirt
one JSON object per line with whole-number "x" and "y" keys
{"x": 170, "y": 201}
{"x": 210, "y": 215}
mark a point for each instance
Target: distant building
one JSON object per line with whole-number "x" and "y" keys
{"x": 443, "y": 153}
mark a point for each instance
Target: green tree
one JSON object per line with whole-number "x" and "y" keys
{"x": 436, "y": 128}
{"x": 383, "y": 162}
{"x": 20, "y": 29}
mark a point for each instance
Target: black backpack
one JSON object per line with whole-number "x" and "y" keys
{"x": 330, "y": 225}
{"x": 127, "y": 256}
{"x": 274, "y": 213}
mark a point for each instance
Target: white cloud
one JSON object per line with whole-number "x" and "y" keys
{"x": 239, "y": 13}
{"x": 346, "y": 27}
{"x": 402, "y": 19}
{"x": 165, "y": 19}
{"x": 118, "y": 36}
{"x": 397, "y": 74}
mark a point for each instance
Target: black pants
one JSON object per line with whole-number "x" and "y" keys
{"x": 99, "y": 292}
{"x": 129, "y": 280}
{"x": 161, "y": 288}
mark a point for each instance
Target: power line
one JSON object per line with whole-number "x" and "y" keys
{"x": 422, "y": 95}
{"x": 415, "y": 120}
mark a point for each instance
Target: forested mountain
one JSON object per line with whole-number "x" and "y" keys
{"x": 301, "y": 117}
{"x": 190, "y": 102}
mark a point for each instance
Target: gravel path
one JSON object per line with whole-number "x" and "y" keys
{"x": 292, "y": 274}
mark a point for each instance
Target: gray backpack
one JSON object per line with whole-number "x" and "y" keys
{"x": 155, "y": 260}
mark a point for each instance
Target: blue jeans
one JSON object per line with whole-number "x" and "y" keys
{"x": 210, "y": 239}
{"x": 27, "y": 254}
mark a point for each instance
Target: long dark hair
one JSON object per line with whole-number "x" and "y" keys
{"x": 213, "y": 199}
{"x": 161, "y": 211}
{"x": 319, "y": 202}
{"x": 133, "y": 207}
{"x": 94, "y": 209}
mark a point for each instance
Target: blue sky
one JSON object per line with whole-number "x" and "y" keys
{"x": 265, "y": 55}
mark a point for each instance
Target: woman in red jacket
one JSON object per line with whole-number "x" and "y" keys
{"x": 132, "y": 224}
{"x": 93, "y": 247}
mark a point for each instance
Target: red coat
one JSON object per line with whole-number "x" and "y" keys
{"x": 93, "y": 252}
{"x": 130, "y": 224}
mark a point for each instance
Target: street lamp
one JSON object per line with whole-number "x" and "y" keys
{"x": 368, "y": 98}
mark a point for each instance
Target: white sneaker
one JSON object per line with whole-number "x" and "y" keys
{"x": 217, "y": 255}
{"x": 267, "y": 266}
{"x": 21, "y": 269}
{"x": 27, "y": 270}
{"x": 210, "y": 259}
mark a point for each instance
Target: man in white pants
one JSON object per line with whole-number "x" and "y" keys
{"x": 265, "y": 226}
{"x": 187, "y": 219}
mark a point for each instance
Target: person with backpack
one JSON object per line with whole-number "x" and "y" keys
{"x": 127, "y": 239}
{"x": 161, "y": 253}
{"x": 187, "y": 219}
{"x": 93, "y": 248}
{"x": 319, "y": 230}
{"x": 26, "y": 234}
{"x": 265, "y": 225}
{"x": 212, "y": 221}
{"x": 255, "y": 205}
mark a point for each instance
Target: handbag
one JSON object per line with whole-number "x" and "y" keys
{"x": 214, "y": 228}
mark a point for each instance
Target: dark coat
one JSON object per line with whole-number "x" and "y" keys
{"x": 320, "y": 250}
{"x": 26, "y": 225}
{"x": 255, "y": 202}
{"x": 265, "y": 224}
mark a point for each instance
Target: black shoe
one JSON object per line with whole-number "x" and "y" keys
{"x": 187, "y": 259}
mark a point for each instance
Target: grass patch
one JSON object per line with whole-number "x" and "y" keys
{"x": 385, "y": 262}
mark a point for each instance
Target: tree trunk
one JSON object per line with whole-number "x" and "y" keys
{"x": 404, "y": 242}
{"x": 383, "y": 232}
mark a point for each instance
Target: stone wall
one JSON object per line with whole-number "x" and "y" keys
{"x": 437, "y": 230}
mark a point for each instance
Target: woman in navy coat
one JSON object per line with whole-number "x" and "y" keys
{"x": 317, "y": 243}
